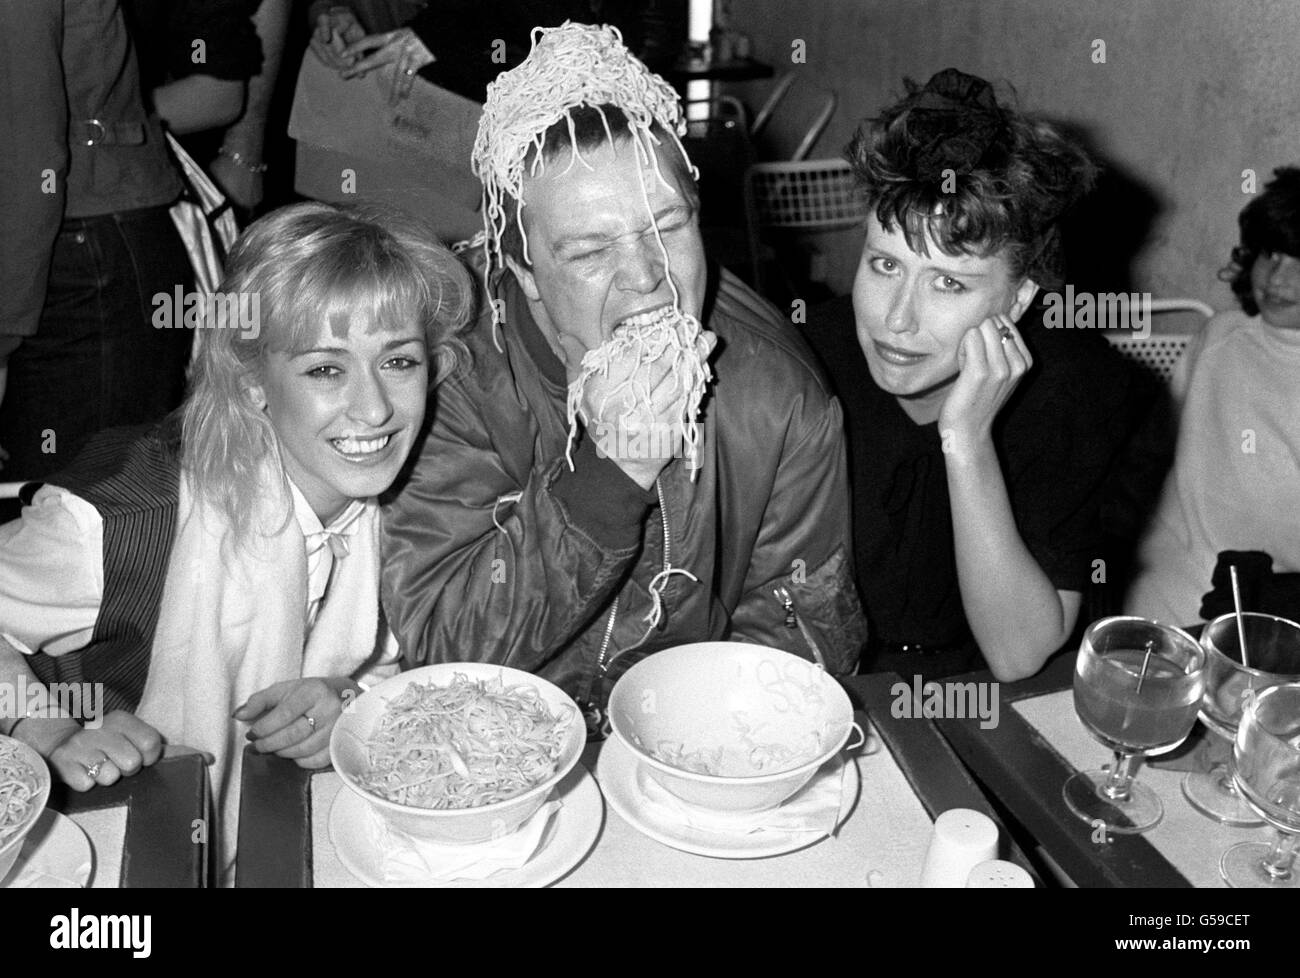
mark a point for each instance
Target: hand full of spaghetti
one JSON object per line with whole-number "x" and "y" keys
{"x": 20, "y": 786}
{"x": 463, "y": 745}
{"x": 668, "y": 338}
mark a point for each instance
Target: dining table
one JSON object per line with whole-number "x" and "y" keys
{"x": 907, "y": 775}
{"x": 147, "y": 830}
{"x": 1038, "y": 742}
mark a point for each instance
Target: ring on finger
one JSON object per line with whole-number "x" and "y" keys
{"x": 1004, "y": 332}
{"x": 311, "y": 721}
{"x": 410, "y": 72}
{"x": 92, "y": 770}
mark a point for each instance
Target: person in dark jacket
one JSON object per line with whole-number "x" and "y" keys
{"x": 499, "y": 548}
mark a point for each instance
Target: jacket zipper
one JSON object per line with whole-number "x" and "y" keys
{"x": 792, "y": 620}
{"x": 602, "y": 663}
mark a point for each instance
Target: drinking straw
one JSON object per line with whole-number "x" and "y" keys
{"x": 1241, "y": 624}
{"x": 1146, "y": 660}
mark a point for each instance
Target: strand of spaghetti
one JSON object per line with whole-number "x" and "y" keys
{"x": 568, "y": 66}
{"x": 19, "y": 786}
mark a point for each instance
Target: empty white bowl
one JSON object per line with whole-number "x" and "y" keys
{"x": 463, "y": 826}
{"x": 761, "y": 720}
{"x": 13, "y": 844}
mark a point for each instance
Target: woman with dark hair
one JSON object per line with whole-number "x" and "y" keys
{"x": 1237, "y": 463}
{"x": 978, "y": 439}
{"x": 216, "y": 577}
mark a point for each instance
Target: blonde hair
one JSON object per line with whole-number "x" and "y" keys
{"x": 306, "y": 265}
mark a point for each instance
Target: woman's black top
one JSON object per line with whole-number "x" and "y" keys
{"x": 1057, "y": 439}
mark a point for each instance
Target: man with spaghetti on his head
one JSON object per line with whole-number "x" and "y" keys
{"x": 642, "y": 453}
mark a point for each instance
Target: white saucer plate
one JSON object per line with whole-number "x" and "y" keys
{"x": 569, "y": 837}
{"x": 56, "y": 854}
{"x": 616, "y": 770}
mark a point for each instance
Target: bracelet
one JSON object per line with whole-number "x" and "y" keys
{"x": 238, "y": 159}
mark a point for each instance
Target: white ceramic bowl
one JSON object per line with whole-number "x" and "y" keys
{"x": 13, "y": 845}
{"x": 455, "y": 826}
{"x": 736, "y": 705}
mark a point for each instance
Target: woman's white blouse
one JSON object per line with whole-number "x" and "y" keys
{"x": 52, "y": 570}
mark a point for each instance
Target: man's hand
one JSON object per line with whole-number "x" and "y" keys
{"x": 335, "y": 30}
{"x": 293, "y": 719}
{"x": 992, "y": 359}
{"x": 122, "y": 745}
{"x": 635, "y": 413}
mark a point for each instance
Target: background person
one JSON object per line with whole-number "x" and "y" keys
{"x": 1237, "y": 461}
{"x": 86, "y": 239}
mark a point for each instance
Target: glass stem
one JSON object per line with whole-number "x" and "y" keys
{"x": 1277, "y": 864}
{"x": 1117, "y": 785}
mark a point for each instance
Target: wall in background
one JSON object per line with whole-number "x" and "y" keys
{"x": 1192, "y": 93}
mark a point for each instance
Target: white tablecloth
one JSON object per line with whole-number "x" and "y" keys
{"x": 888, "y": 831}
{"x": 106, "y": 829}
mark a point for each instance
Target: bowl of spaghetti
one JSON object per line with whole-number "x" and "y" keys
{"x": 457, "y": 753}
{"x": 24, "y": 788}
{"x": 730, "y": 726}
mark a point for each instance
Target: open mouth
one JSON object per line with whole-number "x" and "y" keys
{"x": 353, "y": 447}
{"x": 648, "y": 318}
{"x": 894, "y": 355}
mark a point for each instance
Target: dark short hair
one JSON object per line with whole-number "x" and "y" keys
{"x": 1270, "y": 224}
{"x": 981, "y": 178}
{"x": 592, "y": 127}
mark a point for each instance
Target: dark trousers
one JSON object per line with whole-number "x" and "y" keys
{"x": 96, "y": 360}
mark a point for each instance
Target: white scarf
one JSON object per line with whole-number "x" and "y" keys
{"x": 232, "y": 624}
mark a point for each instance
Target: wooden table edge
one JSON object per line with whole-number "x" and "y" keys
{"x": 1013, "y": 761}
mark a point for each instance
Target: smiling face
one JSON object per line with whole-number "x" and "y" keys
{"x": 1275, "y": 278}
{"x": 346, "y": 410}
{"x": 596, "y": 260}
{"x": 912, "y": 311}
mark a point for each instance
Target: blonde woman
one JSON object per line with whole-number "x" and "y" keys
{"x": 218, "y": 573}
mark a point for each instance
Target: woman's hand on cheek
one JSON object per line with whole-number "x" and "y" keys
{"x": 990, "y": 368}
{"x": 293, "y": 719}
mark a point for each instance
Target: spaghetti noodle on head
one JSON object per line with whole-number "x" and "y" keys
{"x": 569, "y": 68}
{"x": 580, "y": 88}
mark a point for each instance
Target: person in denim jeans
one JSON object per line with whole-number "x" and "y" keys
{"x": 86, "y": 242}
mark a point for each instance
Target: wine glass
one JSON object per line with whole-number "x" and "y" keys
{"x": 1273, "y": 651}
{"x": 1137, "y": 687}
{"x": 1266, "y": 758}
